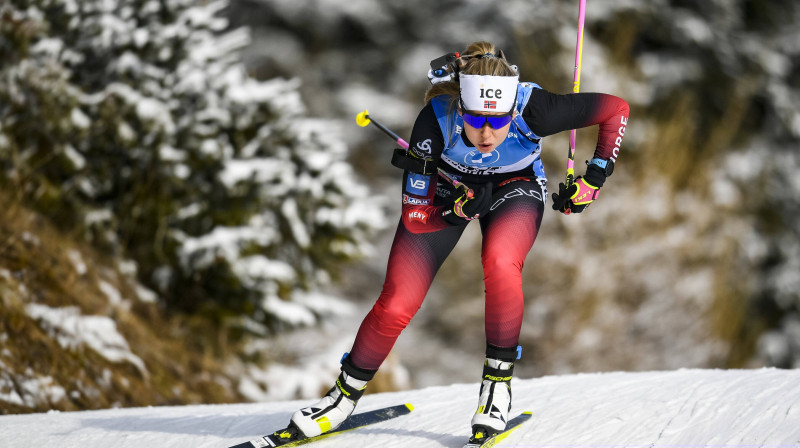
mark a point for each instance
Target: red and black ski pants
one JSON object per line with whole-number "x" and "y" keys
{"x": 509, "y": 231}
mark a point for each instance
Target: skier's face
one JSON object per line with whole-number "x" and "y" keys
{"x": 486, "y": 138}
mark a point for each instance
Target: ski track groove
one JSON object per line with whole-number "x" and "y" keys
{"x": 669, "y": 422}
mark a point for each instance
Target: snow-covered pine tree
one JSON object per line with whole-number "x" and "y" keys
{"x": 135, "y": 122}
{"x": 715, "y": 125}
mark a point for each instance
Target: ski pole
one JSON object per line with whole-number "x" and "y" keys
{"x": 363, "y": 119}
{"x": 576, "y": 87}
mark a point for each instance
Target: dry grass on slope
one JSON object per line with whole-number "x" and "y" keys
{"x": 75, "y": 333}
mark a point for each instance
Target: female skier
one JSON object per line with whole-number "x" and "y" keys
{"x": 482, "y": 127}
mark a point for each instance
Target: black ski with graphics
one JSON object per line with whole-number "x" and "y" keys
{"x": 279, "y": 438}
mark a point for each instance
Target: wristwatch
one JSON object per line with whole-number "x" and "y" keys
{"x": 606, "y": 165}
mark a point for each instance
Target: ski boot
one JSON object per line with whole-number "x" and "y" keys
{"x": 494, "y": 402}
{"x": 334, "y": 408}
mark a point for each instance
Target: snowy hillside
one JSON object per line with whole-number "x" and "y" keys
{"x": 685, "y": 408}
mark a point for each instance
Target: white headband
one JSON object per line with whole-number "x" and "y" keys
{"x": 486, "y": 93}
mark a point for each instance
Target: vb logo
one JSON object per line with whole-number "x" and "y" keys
{"x": 418, "y": 184}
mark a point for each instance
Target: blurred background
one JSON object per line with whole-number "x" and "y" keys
{"x": 189, "y": 213}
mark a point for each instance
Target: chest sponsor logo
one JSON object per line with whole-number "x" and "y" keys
{"x": 417, "y": 184}
{"x": 415, "y": 201}
{"x": 472, "y": 169}
{"x": 443, "y": 191}
{"x": 477, "y": 158}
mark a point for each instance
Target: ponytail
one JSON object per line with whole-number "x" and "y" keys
{"x": 480, "y": 58}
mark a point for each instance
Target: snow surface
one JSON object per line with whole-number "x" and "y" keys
{"x": 684, "y": 408}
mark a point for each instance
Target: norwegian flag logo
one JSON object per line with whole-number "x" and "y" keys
{"x": 490, "y": 104}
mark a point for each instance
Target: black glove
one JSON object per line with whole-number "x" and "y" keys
{"x": 582, "y": 192}
{"x": 576, "y": 197}
{"x": 466, "y": 209}
{"x": 561, "y": 200}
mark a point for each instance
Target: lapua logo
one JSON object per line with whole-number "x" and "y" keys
{"x": 415, "y": 201}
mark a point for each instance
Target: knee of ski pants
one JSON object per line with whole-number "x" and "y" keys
{"x": 394, "y": 312}
{"x": 501, "y": 262}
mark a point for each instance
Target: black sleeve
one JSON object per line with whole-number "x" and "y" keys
{"x": 426, "y": 137}
{"x": 548, "y": 113}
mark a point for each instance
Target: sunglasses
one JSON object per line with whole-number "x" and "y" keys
{"x": 495, "y": 121}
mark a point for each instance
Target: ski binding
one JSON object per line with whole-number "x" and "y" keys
{"x": 513, "y": 425}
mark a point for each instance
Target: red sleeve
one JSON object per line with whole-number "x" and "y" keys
{"x": 547, "y": 113}
{"x": 611, "y": 113}
{"x": 419, "y": 213}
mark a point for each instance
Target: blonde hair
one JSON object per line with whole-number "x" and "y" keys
{"x": 472, "y": 62}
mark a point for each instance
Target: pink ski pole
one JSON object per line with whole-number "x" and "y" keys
{"x": 576, "y": 87}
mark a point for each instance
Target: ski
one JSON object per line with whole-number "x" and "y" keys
{"x": 354, "y": 422}
{"x": 512, "y": 425}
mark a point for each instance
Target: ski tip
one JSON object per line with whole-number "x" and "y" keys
{"x": 527, "y": 413}
{"x": 410, "y": 407}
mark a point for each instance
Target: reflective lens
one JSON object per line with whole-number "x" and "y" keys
{"x": 495, "y": 121}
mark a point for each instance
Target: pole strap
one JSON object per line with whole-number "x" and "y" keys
{"x": 403, "y": 160}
